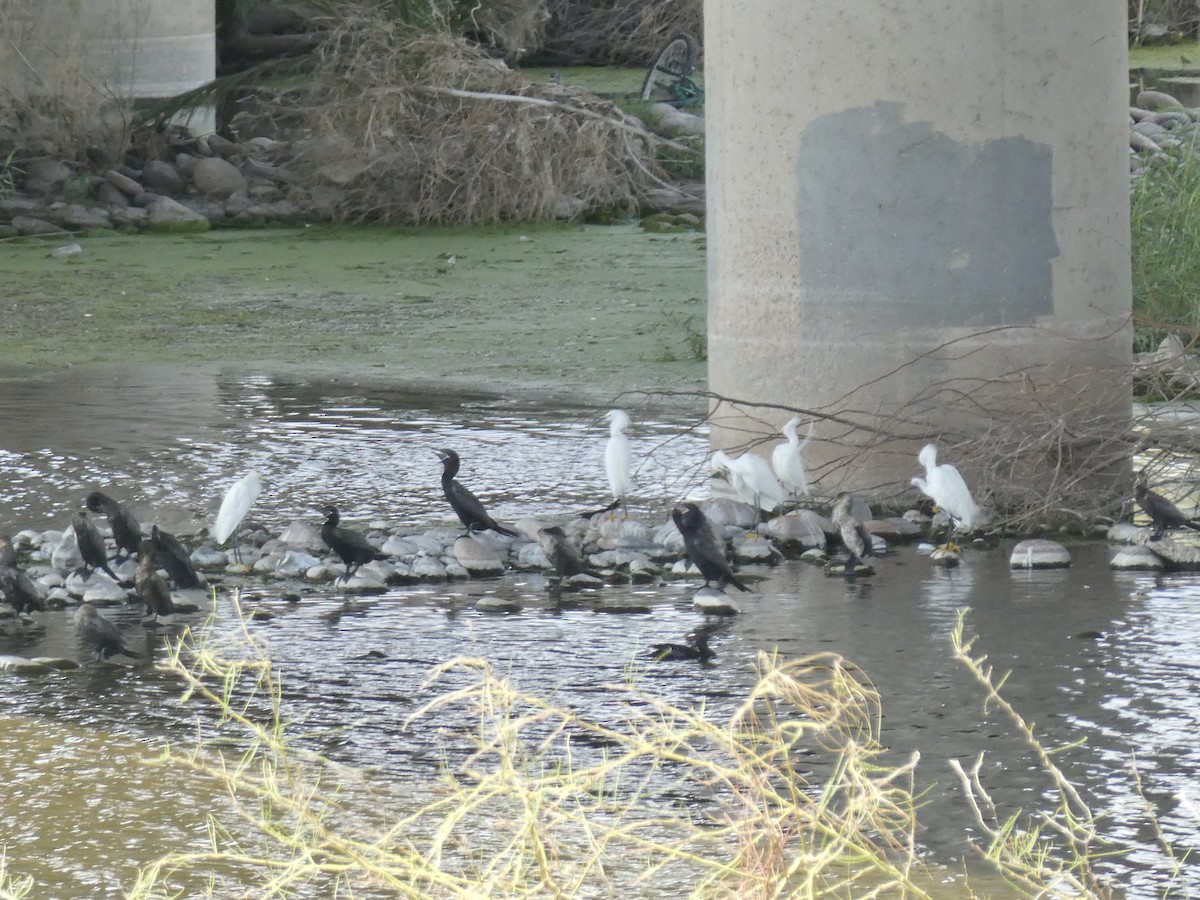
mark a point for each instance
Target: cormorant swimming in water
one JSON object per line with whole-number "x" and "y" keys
{"x": 17, "y": 587}
{"x": 174, "y": 558}
{"x": 126, "y": 532}
{"x": 470, "y": 511}
{"x": 1162, "y": 512}
{"x": 91, "y": 546}
{"x": 699, "y": 650}
{"x": 855, "y": 537}
{"x": 562, "y": 553}
{"x": 352, "y": 547}
{"x": 702, "y": 546}
{"x": 99, "y": 635}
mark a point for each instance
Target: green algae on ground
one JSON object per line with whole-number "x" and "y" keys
{"x": 565, "y": 310}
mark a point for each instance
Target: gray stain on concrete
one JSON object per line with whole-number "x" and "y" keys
{"x": 931, "y": 231}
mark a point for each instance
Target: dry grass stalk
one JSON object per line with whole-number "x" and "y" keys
{"x": 619, "y": 31}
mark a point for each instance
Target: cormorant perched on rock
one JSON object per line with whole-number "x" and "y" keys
{"x": 173, "y": 557}
{"x": 17, "y": 587}
{"x": 1162, "y": 512}
{"x": 702, "y": 546}
{"x": 563, "y": 554}
{"x": 99, "y": 635}
{"x": 352, "y": 547}
{"x": 91, "y": 546}
{"x": 151, "y": 587}
{"x": 855, "y": 537}
{"x": 470, "y": 511}
{"x": 126, "y": 532}
{"x": 945, "y": 486}
{"x": 698, "y": 650}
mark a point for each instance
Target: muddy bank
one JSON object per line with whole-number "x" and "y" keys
{"x": 581, "y": 312}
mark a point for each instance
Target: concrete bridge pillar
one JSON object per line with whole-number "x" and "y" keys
{"x": 918, "y": 225}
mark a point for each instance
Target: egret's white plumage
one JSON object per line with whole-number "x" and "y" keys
{"x": 788, "y": 462}
{"x": 945, "y": 486}
{"x": 237, "y": 502}
{"x": 617, "y": 455}
{"x": 751, "y": 478}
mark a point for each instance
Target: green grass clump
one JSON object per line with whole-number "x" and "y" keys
{"x": 1165, "y": 235}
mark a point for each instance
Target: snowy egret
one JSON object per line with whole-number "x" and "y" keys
{"x": 855, "y": 537}
{"x": 126, "y": 532}
{"x": 702, "y": 546}
{"x": 352, "y": 547}
{"x": 17, "y": 587}
{"x": 91, "y": 546}
{"x": 563, "y": 554}
{"x": 151, "y": 588}
{"x": 751, "y": 478}
{"x": 238, "y": 500}
{"x": 470, "y": 511}
{"x": 788, "y": 461}
{"x": 945, "y": 486}
{"x": 1162, "y": 512}
{"x": 99, "y": 635}
{"x": 173, "y": 557}
{"x": 698, "y": 649}
{"x": 617, "y": 456}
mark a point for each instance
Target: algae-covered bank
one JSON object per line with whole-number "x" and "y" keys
{"x": 582, "y": 311}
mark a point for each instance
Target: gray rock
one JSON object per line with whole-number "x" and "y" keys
{"x": 428, "y": 543}
{"x": 803, "y": 528}
{"x": 429, "y": 568}
{"x": 531, "y": 556}
{"x": 222, "y": 147}
{"x": 50, "y": 172}
{"x": 295, "y": 563}
{"x": 66, "y": 251}
{"x": 65, "y": 555}
{"x": 128, "y": 186}
{"x": 111, "y": 196}
{"x": 713, "y": 602}
{"x": 216, "y": 177}
{"x": 1143, "y": 144}
{"x": 162, "y": 177}
{"x": 753, "y": 550}
{"x": 75, "y": 216}
{"x": 30, "y": 225}
{"x": 165, "y": 214}
{"x": 476, "y": 557}
{"x": 1039, "y": 553}
{"x": 103, "y": 591}
{"x": 186, "y": 164}
{"x": 723, "y": 511}
{"x": 22, "y": 666}
{"x": 1157, "y": 100}
{"x": 400, "y": 547}
{"x": 207, "y": 557}
{"x": 492, "y": 603}
{"x": 1149, "y": 129}
{"x": 1138, "y": 559}
{"x": 303, "y": 535}
{"x": 1127, "y": 532}
{"x": 892, "y": 529}
{"x": 131, "y": 217}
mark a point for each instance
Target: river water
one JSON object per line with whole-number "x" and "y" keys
{"x": 1102, "y": 658}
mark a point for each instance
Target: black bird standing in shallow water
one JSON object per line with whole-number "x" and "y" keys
{"x": 352, "y": 547}
{"x": 699, "y": 650}
{"x": 702, "y": 546}
{"x": 99, "y": 635}
{"x": 855, "y": 537}
{"x": 152, "y": 588}
{"x": 1161, "y": 511}
{"x": 174, "y": 558}
{"x": 562, "y": 553}
{"x": 17, "y": 587}
{"x": 126, "y": 532}
{"x": 91, "y": 546}
{"x": 470, "y": 511}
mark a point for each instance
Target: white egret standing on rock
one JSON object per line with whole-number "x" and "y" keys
{"x": 788, "y": 462}
{"x": 237, "y": 502}
{"x": 617, "y": 456}
{"x": 751, "y": 478}
{"x": 945, "y": 486}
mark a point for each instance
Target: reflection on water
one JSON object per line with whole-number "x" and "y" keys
{"x": 1106, "y": 658}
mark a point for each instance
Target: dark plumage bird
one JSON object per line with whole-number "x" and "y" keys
{"x": 1162, "y": 512}
{"x": 152, "y": 589}
{"x": 99, "y": 635}
{"x": 91, "y": 546}
{"x": 173, "y": 557}
{"x": 563, "y": 554}
{"x": 698, "y": 650}
{"x": 126, "y": 532}
{"x": 470, "y": 511}
{"x": 352, "y": 547}
{"x": 702, "y": 546}
{"x": 17, "y": 587}
{"x": 855, "y": 537}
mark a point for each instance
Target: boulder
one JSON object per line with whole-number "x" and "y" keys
{"x": 219, "y": 178}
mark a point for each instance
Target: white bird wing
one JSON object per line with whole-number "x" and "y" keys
{"x": 760, "y": 481}
{"x": 789, "y": 466}
{"x": 617, "y": 460}
{"x": 950, "y": 492}
{"x": 237, "y": 502}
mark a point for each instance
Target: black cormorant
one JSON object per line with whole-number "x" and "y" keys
{"x": 99, "y": 635}
{"x": 91, "y": 546}
{"x": 352, "y": 547}
{"x": 698, "y": 650}
{"x": 17, "y": 587}
{"x": 173, "y": 557}
{"x": 470, "y": 511}
{"x": 151, "y": 587}
{"x": 1161, "y": 511}
{"x": 702, "y": 546}
{"x": 563, "y": 554}
{"x": 126, "y": 532}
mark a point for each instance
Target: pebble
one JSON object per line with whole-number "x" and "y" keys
{"x": 476, "y": 557}
{"x": 492, "y": 603}
{"x": 66, "y": 251}
{"x": 1039, "y": 553}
